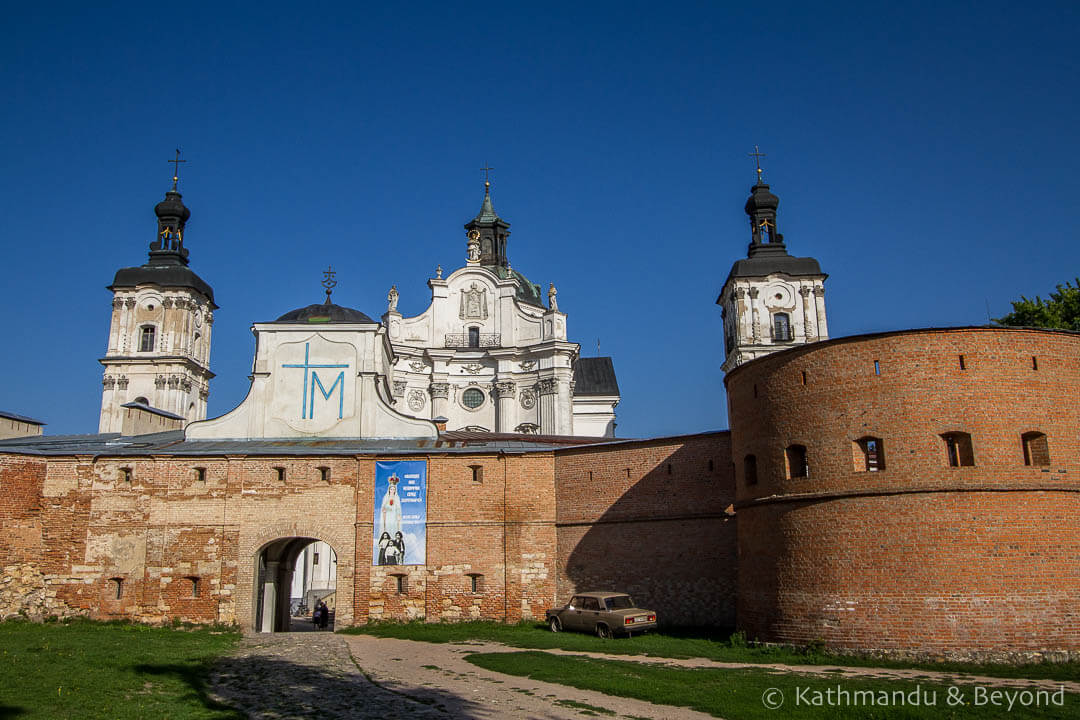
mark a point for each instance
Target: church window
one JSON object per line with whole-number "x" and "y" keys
{"x": 472, "y": 398}
{"x": 193, "y": 584}
{"x": 477, "y": 473}
{"x": 474, "y": 337}
{"x": 279, "y": 472}
{"x": 750, "y": 469}
{"x": 476, "y": 582}
{"x": 401, "y": 584}
{"x": 126, "y": 474}
{"x": 200, "y": 474}
{"x": 781, "y": 327}
{"x": 877, "y": 368}
{"x": 1036, "y": 450}
{"x": 958, "y": 452}
{"x": 869, "y": 454}
{"x": 795, "y": 455}
{"x": 117, "y": 585}
{"x": 146, "y": 339}
{"x": 324, "y": 473}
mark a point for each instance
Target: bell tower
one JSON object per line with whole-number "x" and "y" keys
{"x": 494, "y": 231}
{"x": 771, "y": 300}
{"x": 158, "y": 353}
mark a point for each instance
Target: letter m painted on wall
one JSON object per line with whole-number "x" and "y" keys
{"x": 316, "y": 382}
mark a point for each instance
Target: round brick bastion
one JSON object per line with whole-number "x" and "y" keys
{"x": 913, "y": 492}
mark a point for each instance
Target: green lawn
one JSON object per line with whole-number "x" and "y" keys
{"x": 702, "y": 644}
{"x": 84, "y": 669}
{"x": 741, "y": 694}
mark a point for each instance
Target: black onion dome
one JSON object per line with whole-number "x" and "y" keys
{"x": 172, "y": 207}
{"x": 760, "y": 199}
{"x": 324, "y": 313}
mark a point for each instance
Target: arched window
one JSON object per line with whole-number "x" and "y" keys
{"x": 142, "y": 401}
{"x": 750, "y": 469}
{"x": 146, "y": 338}
{"x": 958, "y": 452}
{"x": 117, "y": 586}
{"x": 795, "y": 455}
{"x": 781, "y": 326}
{"x": 1036, "y": 451}
{"x": 868, "y": 454}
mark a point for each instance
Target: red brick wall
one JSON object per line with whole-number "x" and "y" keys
{"x": 919, "y": 556}
{"x": 652, "y": 519}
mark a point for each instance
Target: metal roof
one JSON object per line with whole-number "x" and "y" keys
{"x": 20, "y": 418}
{"x": 595, "y": 376}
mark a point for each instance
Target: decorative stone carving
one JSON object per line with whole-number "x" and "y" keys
{"x": 528, "y": 429}
{"x": 474, "y": 303}
{"x": 819, "y": 291}
{"x": 547, "y": 386}
{"x": 804, "y": 291}
{"x": 754, "y": 293}
{"x": 185, "y": 385}
{"x": 159, "y": 381}
{"x": 417, "y": 401}
{"x": 438, "y": 272}
{"x": 473, "y": 368}
{"x": 129, "y": 303}
{"x": 168, "y": 303}
{"x": 528, "y": 398}
{"x": 504, "y": 389}
{"x": 439, "y": 390}
{"x": 528, "y": 365}
{"x": 122, "y": 382}
{"x": 573, "y": 385}
{"x": 399, "y": 388}
{"x": 204, "y": 394}
{"x": 417, "y": 366}
{"x": 117, "y": 303}
{"x": 552, "y": 292}
{"x": 392, "y": 299}
{"x": 209, "y": 317}
{"x": 173, "y": 381}
{"x": 473, "y": 246}
{"x": 108, "y": 382}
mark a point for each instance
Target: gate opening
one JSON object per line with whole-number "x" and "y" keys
{"x": 297, "y": 578}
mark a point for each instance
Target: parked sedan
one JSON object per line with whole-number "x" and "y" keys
{"x": 603, "y": 613}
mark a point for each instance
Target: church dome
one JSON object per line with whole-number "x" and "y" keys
{"x": 324, "y": 313}
{"x": 172, "y": 207}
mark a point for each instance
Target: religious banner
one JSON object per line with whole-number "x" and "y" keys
{"x": 400, "y": 527}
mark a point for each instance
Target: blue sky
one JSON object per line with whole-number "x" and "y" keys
{"x": 925, "y": 153}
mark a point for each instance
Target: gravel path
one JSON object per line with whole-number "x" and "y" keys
{"x": 330, "y": 677}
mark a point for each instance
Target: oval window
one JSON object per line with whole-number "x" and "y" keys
{"x": 472, "y": 398}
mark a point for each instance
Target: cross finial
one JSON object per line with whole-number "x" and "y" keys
{"x": 176, "y": 168}
{"x": 757, "y": 155}
{"x": 487, "y": 179}
{"x": 329, "y": 282}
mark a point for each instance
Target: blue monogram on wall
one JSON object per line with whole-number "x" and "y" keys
{"x": 307, "y": 407}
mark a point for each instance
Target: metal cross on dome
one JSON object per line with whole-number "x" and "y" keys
{"x": 176, "y": 168}
{"x": 328, "y": 282}
{"x": 486, "y": 169}
{"x": 757, "y": 155}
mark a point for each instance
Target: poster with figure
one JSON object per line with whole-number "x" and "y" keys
{"x": 400, "y": 524}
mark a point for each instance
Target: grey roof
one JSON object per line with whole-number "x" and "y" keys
{"x": 172, "y": 443}
{"x": 595, "y": 376}
{"x": 20, "y": 418}
{"x": 763, "y": 264}
{"x": 527, "y": 291}
{"x": 154, "y": 410}
{"x": 324, "y": 313}
{"x": 163, "y": 274}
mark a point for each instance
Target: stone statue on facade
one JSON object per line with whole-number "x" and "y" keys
{"x": 552, "y": 292}
{"x": 392, "y": 299}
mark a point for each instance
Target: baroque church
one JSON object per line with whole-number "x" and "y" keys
{"x": 463, "y": 464}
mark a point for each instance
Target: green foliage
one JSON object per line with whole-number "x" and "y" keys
{"x": 1061, "y": 311}
{"x": 84, "y": 669}
{"x": 739, "y": 694}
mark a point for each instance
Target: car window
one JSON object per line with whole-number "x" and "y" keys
{"x": 619, "y": 602}
{"x": 575, "y": 603}
{"x": 590, "y": 604}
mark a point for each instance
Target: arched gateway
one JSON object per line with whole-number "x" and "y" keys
{"x": 275, "y": 565}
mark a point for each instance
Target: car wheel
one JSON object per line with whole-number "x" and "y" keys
{"x": 603, "y": 631}
{"x": 555, "y": 625}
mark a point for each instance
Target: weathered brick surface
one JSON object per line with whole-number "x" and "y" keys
{"x": 652, "y": 518}
{"x": 920, "y": 555}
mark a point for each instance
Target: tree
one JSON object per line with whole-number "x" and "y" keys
{"x": 1061, "y": 311}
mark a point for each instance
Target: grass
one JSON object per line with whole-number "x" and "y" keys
{"x": 83, "y": 669}
{"x": 711, "y": 645}
{"x": 738, "y": 694}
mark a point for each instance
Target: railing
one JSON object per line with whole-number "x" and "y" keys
{"x": 482, "y": 340}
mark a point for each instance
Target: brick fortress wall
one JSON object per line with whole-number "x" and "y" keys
{"x": 918, "y": 556}
{"x": 652, "y": 518}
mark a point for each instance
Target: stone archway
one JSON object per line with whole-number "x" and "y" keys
{"x": 275, "y": 563}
